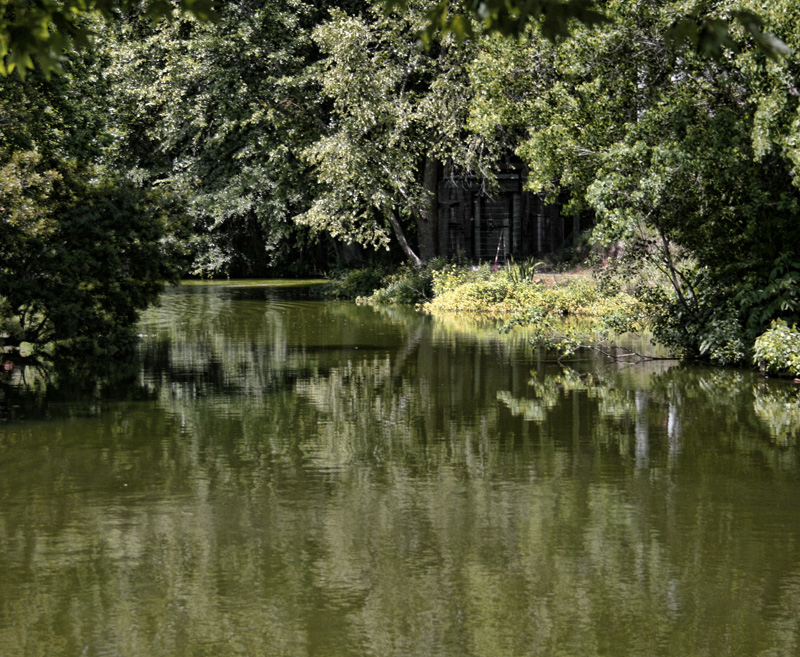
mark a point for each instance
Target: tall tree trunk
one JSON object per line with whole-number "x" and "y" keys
{"x": 401, "y": 238}
{"x": 427, "y": 217}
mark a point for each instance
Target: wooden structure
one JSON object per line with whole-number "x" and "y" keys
{"x": 512, "y": 222}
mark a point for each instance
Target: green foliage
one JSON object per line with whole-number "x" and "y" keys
{"x": 579, "y": 316}
{"x": 555, "y": 334}
{"x": 521, "y": 272}
{"x": 398, "y": 113}
{"x": 721, "y": 340}
{"x": 697, "y": 312}
{"x": 44, "y": 30}
{"x": 354, "y": 283}
{"x": 490, "y": 297}
{"x": 711, "y": 35}
{"x": 404, "y": 285}
{"x": 687, "y": 163}
{"x": 708, "y": 33}
{"x": 11, "y": 332}
{"x": 217, "y": 115}
{"x": 562, "y": 316}
{"x": 87, "y": 276}
{"x": 553, "y": 17}
{"x": 409, "y": 285}
{"x": 777, "y": 350}
{"x": 777, "y": 294}
{"x": 709, "y": 326}
{"x": 81, "y": 251}
{"x": 453, "y": 276}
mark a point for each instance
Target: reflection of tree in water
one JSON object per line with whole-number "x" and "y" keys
{"x": 665, "y": 409}
{"x": 70, "y": 386}
{"x": 778, "y": 407}
{"x": 738, "y": 410}
{"x": 291, "y": 494}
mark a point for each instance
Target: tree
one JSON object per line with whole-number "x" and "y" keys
{"x": 218, "y": 114}
{"x": 398, "y": 114}
{"x": 688, "y": 160}
{"x": 81, "y": 252}
{"x": 707, "y": 31}
{"x": 45, "y": 30}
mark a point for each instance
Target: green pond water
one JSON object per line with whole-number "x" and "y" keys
{"x": 277, "y": 475}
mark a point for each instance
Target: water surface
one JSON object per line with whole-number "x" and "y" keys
{"x": 277, "y": 475}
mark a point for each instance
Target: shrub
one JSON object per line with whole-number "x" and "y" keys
{"x": 408, "y": 284}
{"x": 453, "y": 276}
{"x": 722, "y": 340}
{"x": 777, "y": 350}
{"x": 532, "y": 302}
{"x": 354, "y": 283}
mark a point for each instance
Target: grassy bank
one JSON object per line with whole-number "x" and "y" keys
{"x": 562, "y": 310}
{"x": 566, "y": 310}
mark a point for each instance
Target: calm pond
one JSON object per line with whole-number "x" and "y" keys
{"x": 280, "y": 476}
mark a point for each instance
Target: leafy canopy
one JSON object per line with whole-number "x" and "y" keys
{"x": 45, "y": 29}
{"x": 709, "y": 33}
{"x": 686, "y": 161}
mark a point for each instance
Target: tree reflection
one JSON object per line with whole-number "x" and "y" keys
{"x": 294, "y": 478}
{"x": 778, "y": 407}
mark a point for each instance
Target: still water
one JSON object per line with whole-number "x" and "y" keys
{"x": 282, "y": 476}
